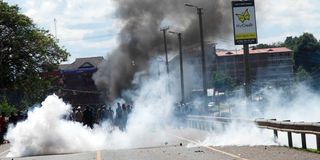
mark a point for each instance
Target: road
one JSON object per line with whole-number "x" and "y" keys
{"x": 177, "y": 147}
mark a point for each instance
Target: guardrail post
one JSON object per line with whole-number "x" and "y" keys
{"x": 289, "y": 136}
{"x": 204, "y": 126}
{"x": 303, "y": 140}
{"x": 318, "y": 142}
{"x": 192, "y": 124}
{"x": 290, "y": 139}
{"x": 212, "y": 126}
{"x": 275, "y": 132}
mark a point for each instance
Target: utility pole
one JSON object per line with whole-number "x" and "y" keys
{"x": 181, "y": 68}
{"x": 204, "y": 72}
{"x": 246, "y": 69}
{"x": 164, "y": 30}
{"x": 181, "y": 65}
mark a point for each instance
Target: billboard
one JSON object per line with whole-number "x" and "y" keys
{"x": 244, "y": 22}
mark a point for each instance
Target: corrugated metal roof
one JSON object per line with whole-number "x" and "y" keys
{"x": 254, "y": 51}
{"x": 94, "y": 61}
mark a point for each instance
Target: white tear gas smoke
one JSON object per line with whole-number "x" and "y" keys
{"x": 296, "y": 104}
{"x": 46, "y": 131}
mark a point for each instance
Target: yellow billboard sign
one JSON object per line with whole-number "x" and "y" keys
{"x": 244, "y": 22}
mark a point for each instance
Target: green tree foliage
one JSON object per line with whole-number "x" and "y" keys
{"x": 222, "y": 82}
{"x": 26, "y": 52}
{"x": 303, "y": 76}
{"x": 306, "y": 56}
{"x": 6, "y": 108}
{"x": 273, "y": 45}
{"x": 306, "y": 51}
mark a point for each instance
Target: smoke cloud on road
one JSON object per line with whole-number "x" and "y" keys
{"x": 46, "y": 131}
{"x": 140, "y": 38}
{"x": 297, "y": 104}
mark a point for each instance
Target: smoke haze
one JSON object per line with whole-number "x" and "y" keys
{"x": 140, "y": 38}
{"x": 297, "y": 104}
{"x": 47, "y": 132}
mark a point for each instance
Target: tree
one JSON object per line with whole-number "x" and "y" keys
{"x": 306, "y": 51}
{"x": 25, "y": 53}
{"x": 291, "y": 42}
{"x": 303, "y": 76}
{"x": 222, "y": 82}
{"x": 273, "y": 45}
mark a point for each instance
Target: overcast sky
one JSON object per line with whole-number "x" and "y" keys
{"x": 89, "y": 28}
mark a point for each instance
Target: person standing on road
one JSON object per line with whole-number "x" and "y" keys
{"x": 124, "y": 116}
{"x": 110, "y": 114}
{"x": 119, "y": 116}
{"x": 99, "y": 116}
{"x": 13, "y": 119}
{"x": 103, "y": 114}
{"x": 129, "y": 108}
{"x": 78, "y": 115}
{"x": 3, "y": 127}
{"x": 88, "y": 117}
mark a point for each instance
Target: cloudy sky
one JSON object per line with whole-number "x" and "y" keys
{"x": 89, "y": 28}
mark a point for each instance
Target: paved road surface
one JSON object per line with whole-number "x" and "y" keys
{"x": 176, "y": 149}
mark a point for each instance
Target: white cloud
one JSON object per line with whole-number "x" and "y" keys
{"x": 277, "y": 17}
{"x": 79, "y": 19}
{"x": 76, "y": 20}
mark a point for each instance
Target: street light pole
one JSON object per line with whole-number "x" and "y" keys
{"x": 164, "y": 30}
{"x": 246, "y": 70}
{"x": 204, "y": 72}
{"x": 181, "y": 65}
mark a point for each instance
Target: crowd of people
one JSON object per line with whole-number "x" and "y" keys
{"x": 89, "y": 116}
{"x": 86, "y": 115}
{"x": 5, "y": 121}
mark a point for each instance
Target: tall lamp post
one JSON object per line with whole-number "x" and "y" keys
{"x": 204, "y": 72}
{"x": 181, "y": 65}
{"x": 164, "y": 30}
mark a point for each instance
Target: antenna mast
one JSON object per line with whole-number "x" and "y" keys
{"x": 55, "y": 29}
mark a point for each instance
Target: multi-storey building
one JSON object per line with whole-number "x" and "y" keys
{"x": 271, "y": 66}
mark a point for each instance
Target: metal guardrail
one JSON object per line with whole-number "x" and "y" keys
{"x": 210, "y": 123}
{"x": 303, "y": 128}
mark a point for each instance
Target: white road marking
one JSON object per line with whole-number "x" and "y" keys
{"x": 98, "y": 155}
{"x": 4, "y": 152}
{"x": 208, "y": 147}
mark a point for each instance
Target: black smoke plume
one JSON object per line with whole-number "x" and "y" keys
{"x": 140, "y": 36}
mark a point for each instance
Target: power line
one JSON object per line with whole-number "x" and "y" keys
{"x": 92, "y": 38}
{"x": 80, "y": 91}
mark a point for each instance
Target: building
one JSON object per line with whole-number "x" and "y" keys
{"x": 76, "y": 85}
{"x": 270, "y": 66}
{"x": 192, "y": 65}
